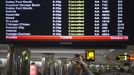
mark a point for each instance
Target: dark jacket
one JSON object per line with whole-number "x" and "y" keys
{"x": 85, "y": 70}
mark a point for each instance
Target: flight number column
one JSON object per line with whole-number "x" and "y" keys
{"x": 105, "y": 18}
{"x": 57, "y": 17}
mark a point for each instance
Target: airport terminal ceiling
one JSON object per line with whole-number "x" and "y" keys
{"x": 36, "y": 53}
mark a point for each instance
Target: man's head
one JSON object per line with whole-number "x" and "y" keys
{"x": 78, "y": 61}
{"x": 78, "y": 58}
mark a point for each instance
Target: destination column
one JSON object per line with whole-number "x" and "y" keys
{"x": 15, "y": 26}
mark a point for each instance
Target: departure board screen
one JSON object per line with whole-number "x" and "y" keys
{"x": 83, "y": 20}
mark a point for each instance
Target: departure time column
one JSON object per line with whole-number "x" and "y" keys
{"x": 57, "y": 19}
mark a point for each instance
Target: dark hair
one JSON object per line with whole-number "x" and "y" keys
{"x": 78, "y": 55}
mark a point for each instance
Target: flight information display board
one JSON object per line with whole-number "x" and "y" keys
{"x": 66, "y": 20}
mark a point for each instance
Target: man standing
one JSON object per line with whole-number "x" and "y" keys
{"x": 79, "y": 67}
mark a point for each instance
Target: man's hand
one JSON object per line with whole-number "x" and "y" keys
{"x": 78, "y": 60}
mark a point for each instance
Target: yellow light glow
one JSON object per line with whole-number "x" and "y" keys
{"x": 90, "y": 55}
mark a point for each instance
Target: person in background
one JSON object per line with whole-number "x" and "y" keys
{"x": 79, "y": 67}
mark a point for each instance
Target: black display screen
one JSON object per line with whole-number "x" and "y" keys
{"x": 57, "y": 20}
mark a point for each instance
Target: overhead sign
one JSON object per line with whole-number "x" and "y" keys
{"x": 90, "y": 55}
{"x": 122, "y": 57}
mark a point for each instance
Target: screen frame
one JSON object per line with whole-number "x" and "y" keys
{"x": 68, "y": 43}
{"x": 131, "y": 23}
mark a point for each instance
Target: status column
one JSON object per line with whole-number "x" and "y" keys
{"x": 75, "y": 17}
